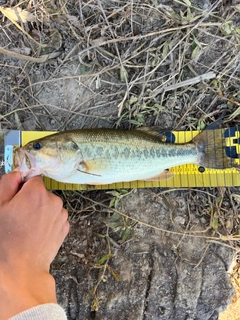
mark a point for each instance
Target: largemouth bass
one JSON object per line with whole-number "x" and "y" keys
{"x": 104, "y": 156}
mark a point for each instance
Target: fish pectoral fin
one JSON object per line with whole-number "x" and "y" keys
{"x": 93, "y": 166}
{"x": 165, "y": 175}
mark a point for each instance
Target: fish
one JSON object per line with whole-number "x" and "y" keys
{"x": 105, "y": 156}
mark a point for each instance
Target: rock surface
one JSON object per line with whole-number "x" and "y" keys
{"x": 163, "y": 275}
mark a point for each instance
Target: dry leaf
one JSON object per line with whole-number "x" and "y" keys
{"x": 17, "y": 14}
{"x": 26, "y": 51}
{"x": 73, "y": 20}
{"x": 5, "y": 11}
{"x": 98, "y": 42}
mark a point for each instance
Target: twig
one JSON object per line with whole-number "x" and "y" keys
{"x": 41, "y": 59}
{"x": 151, "y": 34}
{"x": 189, "y": 82}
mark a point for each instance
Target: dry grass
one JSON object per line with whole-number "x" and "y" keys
{"x": 133, "y": 53}
{"x": 125, "y": 64}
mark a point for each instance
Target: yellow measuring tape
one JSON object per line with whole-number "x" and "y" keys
{"x": 184, "y": 175}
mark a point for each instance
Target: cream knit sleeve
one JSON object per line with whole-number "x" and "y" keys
{"x": 49, "y": 311}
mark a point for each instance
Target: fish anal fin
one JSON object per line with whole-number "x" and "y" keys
{"x": 165, "y": 175}
{"x": 95, "y": 183}
{"x": 94, "y": 165}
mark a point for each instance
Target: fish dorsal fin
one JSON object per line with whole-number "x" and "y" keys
{"x": 93, "y": 166}
{"x": 154, "y": 131}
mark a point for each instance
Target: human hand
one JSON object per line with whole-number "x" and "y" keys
{"x": 33, "y": 225}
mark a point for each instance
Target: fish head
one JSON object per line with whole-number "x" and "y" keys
{"x": 49, "y": 156}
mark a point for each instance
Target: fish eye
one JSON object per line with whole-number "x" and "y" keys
{"x": 37, "y": 146}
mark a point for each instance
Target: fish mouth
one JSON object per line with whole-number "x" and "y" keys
{"x": 28, "y": 162}
{"x": 23, "y": 163}
{"x": 21, "y": 159}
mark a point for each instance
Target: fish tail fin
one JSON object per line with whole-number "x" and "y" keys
{"x": 211, "y": 146}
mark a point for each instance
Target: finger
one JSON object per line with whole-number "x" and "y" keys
{"x": 62, "y": 225}
{"x": 66, "y": 228}
{"x": 9, "y": 186}
{"x": 61, "y": 229}
{"x": 34, "y": 185}
{"x": 66, "y": 224}
{"x": 34, "y": 182}
{"x": 32, "y": 189}
{"x": 61, "y": 218}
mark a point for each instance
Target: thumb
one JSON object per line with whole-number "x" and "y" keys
{"x": 9, "y": 186}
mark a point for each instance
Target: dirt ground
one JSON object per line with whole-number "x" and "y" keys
{"x": 132, "y": 254}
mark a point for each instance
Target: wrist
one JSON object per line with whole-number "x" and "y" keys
{"x": 21, "y": 292}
